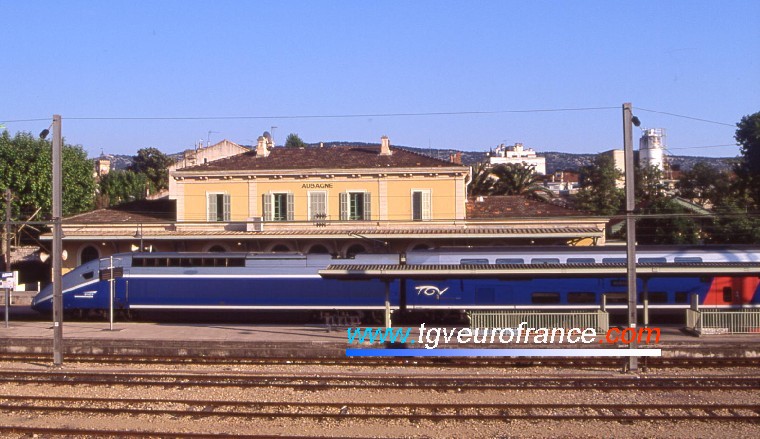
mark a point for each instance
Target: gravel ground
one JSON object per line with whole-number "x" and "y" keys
{"x": 388, "y": 428}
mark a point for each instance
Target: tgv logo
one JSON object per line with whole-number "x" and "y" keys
{"x": 430, "y": 290}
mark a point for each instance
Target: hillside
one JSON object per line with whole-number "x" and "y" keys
{"x": 555, "y": 161}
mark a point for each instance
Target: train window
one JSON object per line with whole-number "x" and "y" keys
{"x": 485, "y": 295}
{"x": 617, "y": 297}
{"x": 581, "y": 297}
{"x": 88, "y": 275}
{"x": 727, "y": 294}
{"x": 473, "y": 261}
{"x": 687, "y": 260}
{"x": 174, "y": 262}
{"x": 581, "y": 260}
{"x": 544, "y": 297}
{"x": 682, "y": 297}
{"x": 614, "y": 260}
{"x": 652, "y": 260}
{"x": 544, "y": 261}
{"x": 655, "y": 297}
{"x": 510, "y": 261}
{"x": 138, "y": 262}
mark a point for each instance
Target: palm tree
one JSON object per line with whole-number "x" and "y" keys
{"x": 508, "y": 179}
{"x": 482, "y": 183}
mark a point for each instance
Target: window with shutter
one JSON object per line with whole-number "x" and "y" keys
{"x": 358, "y": 206}
{"x": 217, "y": 207}
{"x": 278, "y": 206}
{"x": 367, "y": 213}
{"x": 211, "y": 207}
{"x": 226, "y": 211}
{"x": 317, "y": 206}
{"x": 343, "y": 206}
{"x": 421, "y": 205}
{"x": 267, "y": 203}
{"x": 291, "y": 205}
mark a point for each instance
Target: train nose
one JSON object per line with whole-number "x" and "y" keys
{"x": 43, "y": 301}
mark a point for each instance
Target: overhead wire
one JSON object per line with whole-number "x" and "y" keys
{"x": 686, "y": 117}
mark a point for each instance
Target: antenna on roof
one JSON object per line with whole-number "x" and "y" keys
{"x": 208, "y": 137}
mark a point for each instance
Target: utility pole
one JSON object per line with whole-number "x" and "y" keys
{"x": 630, "y": 228}
{"x": 7, "y": 251}
{"x": 57, "y": 243}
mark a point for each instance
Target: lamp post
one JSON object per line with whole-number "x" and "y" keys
{"x": 139, "y": 235}
{"x": 57, "y": 240}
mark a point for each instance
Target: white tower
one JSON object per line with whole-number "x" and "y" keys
{"x": 652, "y": 148}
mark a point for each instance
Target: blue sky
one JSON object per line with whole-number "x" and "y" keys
{"x": 103, "y": 64}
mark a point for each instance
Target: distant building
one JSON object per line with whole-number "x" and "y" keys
{"x": 200, "y": 156}
{"x": 618, "y": 158}
{"x": 563, "y": 182}
{"x": 652, "y": 148}
{"x": 651, "y": 153}
{"x": 102, "y": 166}
{"x": 516, "y": 154}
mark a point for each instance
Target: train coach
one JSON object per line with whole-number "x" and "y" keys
{"x": 427, "y": 280}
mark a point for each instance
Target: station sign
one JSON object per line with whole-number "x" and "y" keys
{"x": 7, "y": 280}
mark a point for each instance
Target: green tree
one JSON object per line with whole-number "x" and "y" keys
{"x": 663, "y": 221}
{"x": 26, "y": 168}
{"x": 154, "y": 164}
{"x": 506, "y": 179}
{"x": 733, "y": 224}
{"x": 481, "y": 183}
{"x": 649, "y": 186}
{"x": 704, "y": 184}
{"x": 516, "y": 179}
{"x": 122, "y": 186}
{"x": 599, "y": 193}
{"x": 748, "y": 137}
{"x": 293, "y": 141}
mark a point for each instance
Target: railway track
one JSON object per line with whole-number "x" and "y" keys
{"x": 465, "y": 363}
{"x": 351, "y": 410}
{"x": 377, "y": 381}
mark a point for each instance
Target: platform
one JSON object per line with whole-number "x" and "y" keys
{"x": 303, "y": 340}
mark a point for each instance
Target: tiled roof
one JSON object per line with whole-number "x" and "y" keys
{"x": 133, "y": 212}
{"x": 474, "y": 231}
{"x": 514, "y": 206}
{"x": 329, "y": 157}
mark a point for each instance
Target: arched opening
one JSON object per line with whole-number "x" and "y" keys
{"x": 355, "y": 250}
{"x": 89, "y": 253}
{"x": 217, "y": 249}
{"x": 318, "y": 249}
{"x": 280, "y": 248}
{"x": 421, "y": 247}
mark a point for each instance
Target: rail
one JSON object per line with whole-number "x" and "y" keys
{"x": 598, "y": 319}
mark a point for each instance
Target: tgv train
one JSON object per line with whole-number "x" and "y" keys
{"x": 456, "y": 279}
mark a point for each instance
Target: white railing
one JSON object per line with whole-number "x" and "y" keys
{"x": 540, "y": 319}
{"x": 707, "y": 321}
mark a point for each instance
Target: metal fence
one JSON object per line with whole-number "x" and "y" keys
{"x": 707, "y": 321}
{"x": 599, "y": 319}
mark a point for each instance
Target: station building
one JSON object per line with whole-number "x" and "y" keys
{"x": 336, "y": 199}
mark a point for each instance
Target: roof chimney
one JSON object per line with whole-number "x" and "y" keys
{"x": 456, "y": 158}
{"x": 385, "y": 146}
{"x": 261, "y": 147}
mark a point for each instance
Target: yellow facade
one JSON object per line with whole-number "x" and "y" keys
{"x": 391, "y": 196}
